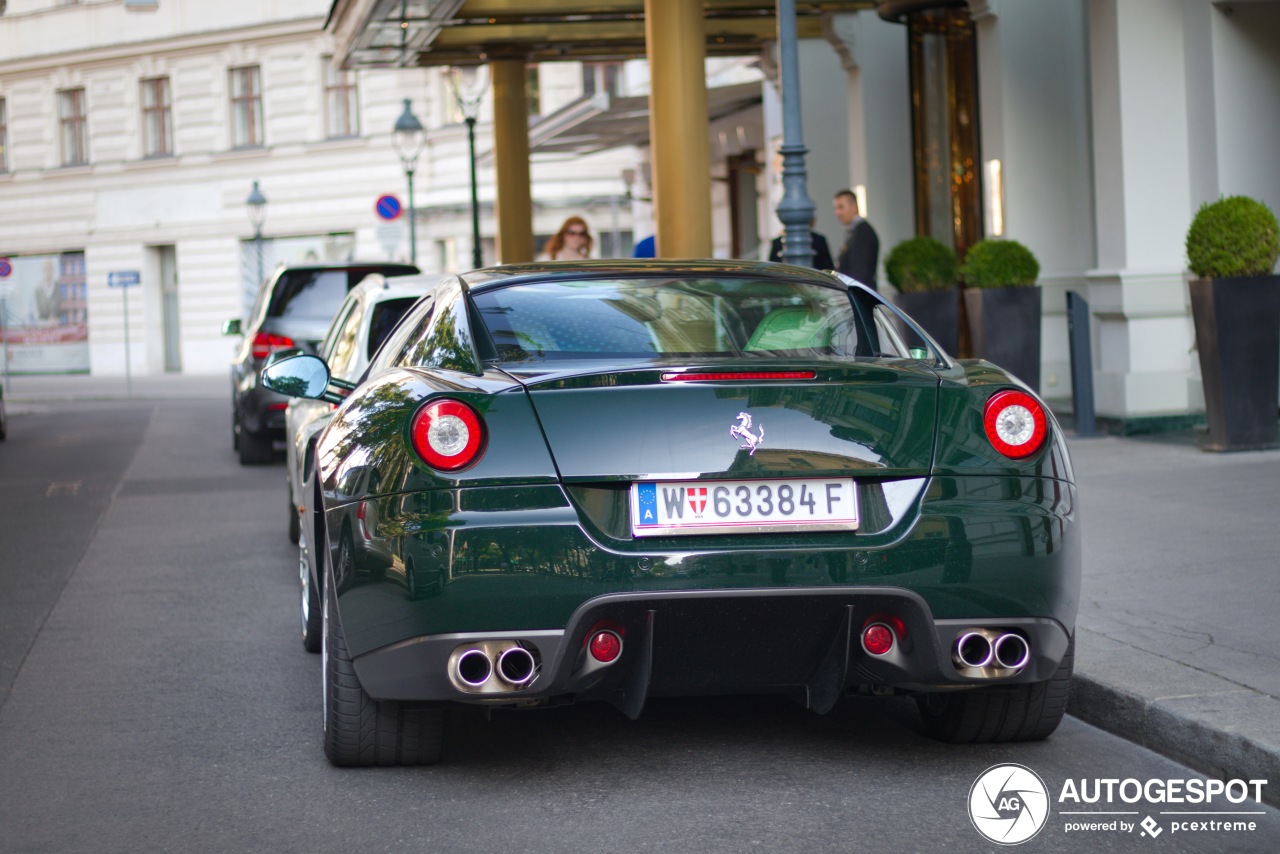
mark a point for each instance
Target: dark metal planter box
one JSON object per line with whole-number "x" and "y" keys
{"x": 1238, "y": 337}
{"x": 938, "y": 312}
{"x": 1004, "y": 328}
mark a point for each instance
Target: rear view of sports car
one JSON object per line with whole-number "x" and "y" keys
{"x": 621, "y": 480}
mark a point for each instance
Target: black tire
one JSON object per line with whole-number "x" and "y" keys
{"x": 1009, "y": 713}
{"x": 295, "y": 523}
{"x": 255, "y": 448}
{"x": 359, "y": 731}
{"x": 312, "y": 617}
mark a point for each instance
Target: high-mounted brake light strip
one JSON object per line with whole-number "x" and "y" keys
{"x": 737, "y": 376}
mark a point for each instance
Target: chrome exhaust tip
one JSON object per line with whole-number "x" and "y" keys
{"x": 516, "y": 666}
{"x": 473, "y": 668}
{"x": 1012, "y": 651}
{"x": 973, "y": 649}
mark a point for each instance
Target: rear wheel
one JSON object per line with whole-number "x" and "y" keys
{"x": 361, "y": 731}
{"x": 1008, "y": 713}
{"x": 255, "y": 448}
{"x": 312, "y": 620}
{"x": 295, "y": 524}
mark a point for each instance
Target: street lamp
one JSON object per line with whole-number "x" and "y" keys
{"x": 469, "y": 83}
{"x": 408, "y": 138}
{"x": 257, "y": 205}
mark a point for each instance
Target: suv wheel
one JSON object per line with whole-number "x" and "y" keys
{"x": 255, "y": 448}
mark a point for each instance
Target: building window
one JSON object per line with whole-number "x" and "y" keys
{"x": 342, "y": 110}
{"x": 601, "y": 77}
{"x": 157, "y": 118}
{"x": 533, "y": 91}
{"x": 4, "y": 136}
{"x": 246, "y": 107}
{"x": 75, "y": 127}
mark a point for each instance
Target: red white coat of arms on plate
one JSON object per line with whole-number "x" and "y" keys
{"x": 697, "y": 499}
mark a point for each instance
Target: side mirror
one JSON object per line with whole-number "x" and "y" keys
{"x": 298, "y": 375}
{"x": 919, "y": 353}
{"x": 231, "y": 327}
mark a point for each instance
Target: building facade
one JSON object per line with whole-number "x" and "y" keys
{"x": 1101, "y": 128}
{"x": 132, "y": 134}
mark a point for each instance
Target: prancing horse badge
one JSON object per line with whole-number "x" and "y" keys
{"x": 742, "y": 430}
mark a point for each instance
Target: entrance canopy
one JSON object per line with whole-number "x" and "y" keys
{"x": 383, "y": 33}
{"x": 599, "y": 122}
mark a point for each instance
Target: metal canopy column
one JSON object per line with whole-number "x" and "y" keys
{"x": 676, "y": 47}
{"x": 513, "y": 205}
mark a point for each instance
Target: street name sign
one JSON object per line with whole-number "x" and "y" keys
{"x": 124, "y": 279}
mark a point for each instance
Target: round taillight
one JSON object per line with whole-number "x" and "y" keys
{"x": 448, "y": 434}
{"x": 605, "y": 647}
{"x": 1015, "y": 423}
{"x": 877, "y": 639}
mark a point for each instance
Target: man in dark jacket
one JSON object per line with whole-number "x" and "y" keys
{"x": 860, "y": 252}
{"x": 821, "y": 251}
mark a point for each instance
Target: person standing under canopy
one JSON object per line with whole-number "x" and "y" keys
{"x": 860, "y": 253}
{"x": 571, "y": 243}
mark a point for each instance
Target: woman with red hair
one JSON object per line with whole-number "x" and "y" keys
{"x": 571, "y": 243}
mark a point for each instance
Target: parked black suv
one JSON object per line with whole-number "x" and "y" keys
{"x": 294, "y": 308}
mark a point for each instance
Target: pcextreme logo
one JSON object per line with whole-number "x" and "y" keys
{"x": 1009, "y": 804}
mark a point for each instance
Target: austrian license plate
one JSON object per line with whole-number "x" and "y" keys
{"x": 665, "y": 508}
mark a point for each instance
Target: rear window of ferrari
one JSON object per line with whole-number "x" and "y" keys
{"x": 646, "y": 318}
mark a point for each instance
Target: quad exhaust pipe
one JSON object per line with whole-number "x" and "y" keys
{"x": 516, "y": 666}
{"x": 491, "y": 667}
{"x": 990, "y": 652}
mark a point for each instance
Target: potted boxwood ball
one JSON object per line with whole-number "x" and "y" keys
{"x": 926, "y": 273}
{"x": 1232, "y": 247}
{"x": 1003, "y": 306}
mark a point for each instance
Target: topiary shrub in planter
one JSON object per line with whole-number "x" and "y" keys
{"x": 1003, "y": 306}
{"x": 925, "y": 272}
{"x": 1232, "y": 247}
{"x": 999, "y": 264}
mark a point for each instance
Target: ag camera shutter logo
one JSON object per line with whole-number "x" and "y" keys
{"x": 1008, "y": 804}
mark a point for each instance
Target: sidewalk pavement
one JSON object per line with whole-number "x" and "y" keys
{"x": 1176, "y": 645}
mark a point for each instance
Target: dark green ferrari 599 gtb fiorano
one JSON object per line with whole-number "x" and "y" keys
{"x": 618, "y": 480}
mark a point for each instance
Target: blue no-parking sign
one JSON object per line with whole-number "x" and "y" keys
{"x": 6, "y": 268}
{"x": 388, "y": 207}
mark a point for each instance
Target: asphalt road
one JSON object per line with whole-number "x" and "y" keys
{"x": 154, "y": 697}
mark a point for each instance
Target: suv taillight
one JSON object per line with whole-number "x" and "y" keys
{"x": 266, "y": 343}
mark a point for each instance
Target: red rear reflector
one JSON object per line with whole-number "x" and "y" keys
{"x": 877, "y": 639}
{"x": 266, "y": 343}
{"x": 448, "y": 434}
{"x": 1015, "y": 423}
{"x": 276, "y": 407}
{"x": 605, "y": 647}
{"x": 732, "y": 376}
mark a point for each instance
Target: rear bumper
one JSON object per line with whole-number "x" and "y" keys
{"x": 802, "y": 642}
{"x": 755, "y": 614}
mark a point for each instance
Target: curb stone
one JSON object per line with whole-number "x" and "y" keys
{"x": 1215, "y": 726}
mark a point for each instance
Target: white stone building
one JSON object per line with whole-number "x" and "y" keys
{"x": 131, "y": 133}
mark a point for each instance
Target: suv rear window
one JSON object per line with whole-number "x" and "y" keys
{"x": 316, "y": 294}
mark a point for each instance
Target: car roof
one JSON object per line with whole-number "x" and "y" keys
{"x": 376, "y": 287}
{"x": 351, "y": 265}
{"x": 491, "y": 277}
